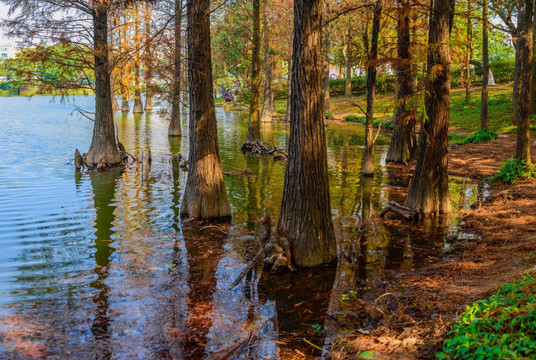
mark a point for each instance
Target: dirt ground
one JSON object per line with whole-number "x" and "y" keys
{"x": 415, "y": 321}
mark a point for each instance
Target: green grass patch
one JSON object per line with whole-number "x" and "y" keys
{"x": 479, "y": 136}
{"x": 467, "y": 115}
{"x": 514, "y": 170}
{"x": 501, "y": 327}
{"x": 386, "y": 124}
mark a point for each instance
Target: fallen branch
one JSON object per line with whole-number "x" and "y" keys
{"x": 402, "y": 211}
{"x": 247, "y": 269}
{"x": 213, "y": 226}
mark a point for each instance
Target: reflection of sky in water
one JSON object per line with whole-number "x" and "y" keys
{"x": 100, "y": 264}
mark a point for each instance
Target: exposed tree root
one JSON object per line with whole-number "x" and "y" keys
{"x": 258, "y": 147}
{"x": 277, "y": 256}
{"x": 402, "y": 211}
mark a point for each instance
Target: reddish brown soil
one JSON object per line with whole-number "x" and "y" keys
{"x": 415, "y": 323}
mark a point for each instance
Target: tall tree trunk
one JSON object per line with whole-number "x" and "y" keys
{"x": 429, "y": 190}
{"x": 517, "y": 80}
{"x": 175, "y": 122}
{"x": 484, "y": 122}
{"x": 533, "y": 84}
{"x": 305, "y": 217}
{"x": 254, "y": 127}
{"x": 524, "y": 44}
{"x": 103, "y": 147}
{"x": 469, "y": 53}
{"x": 204, "y": 195}
{"x": 349, "y": 60}
{"x": 268, "y": 108}
{"x": 403, "y": 141}
{"x": 326, "y": 47}
{"x": 289, "y": 89}
{"x": 149, "y": 104}
{"x": 138, "y": 106}
{"x": 368, "y": 151}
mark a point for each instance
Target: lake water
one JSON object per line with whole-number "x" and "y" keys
{"x": 99, "y": 265}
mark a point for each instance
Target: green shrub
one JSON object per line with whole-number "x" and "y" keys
{"x": 514, "y": 170}
{"x": 501, "y": 327}
{"x": 329, "y": 115}
{"x": 280, "y": 111}
{"x": 482, "y": 135}
{"x": 353, "y": 118}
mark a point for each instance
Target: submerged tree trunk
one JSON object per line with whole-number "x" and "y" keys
{"x": 175, "y": 122}
{"x": 524, "y": 43}
{"x": 254, "y": 128}
{"x": 268, "y": 108}
{"x": 115, "y": 104}
{"x": 429, "y": 191}
{"x": 149, "y": 104}
{"x": 204, "y": 195}
{"x": 484, "y": 122}
{"x": 103, "y": 149}
{"x": 138, "y": 106}
{"x": 349, "y": 61}
{"x": 305, "y": 217}
{"x": 368, "y": 151}
{"x": 403, "y": 141}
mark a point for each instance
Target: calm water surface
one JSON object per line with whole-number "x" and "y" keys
{"x": 99, "y": 265}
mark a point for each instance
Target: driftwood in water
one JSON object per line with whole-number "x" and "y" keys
{"x": 402, "y": 211}
{"x": 260, "y": 148}
{"x": 247, "y": 269}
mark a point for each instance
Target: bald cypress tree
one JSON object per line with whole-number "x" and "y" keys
{"x": 305, "y": 217}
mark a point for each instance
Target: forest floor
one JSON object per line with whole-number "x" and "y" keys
{"x": 415, "y": 322}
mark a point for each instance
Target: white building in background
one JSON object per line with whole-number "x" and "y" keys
{"x": 7, "y": 50}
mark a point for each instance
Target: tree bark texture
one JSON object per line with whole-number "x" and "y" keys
{"x": 305, "y": 217}
{"x": 254, "y": 127}
{"x": 368, "y": 151}
{"x": 103, "y": 147}
{"x": 204, "y": 195}
{"x": 175, "y": 121}
{"x": 524, "y": 43}
{"x": 429, "y": 190}
{"x": 349, "y": 60}
{"x": 268, "y": 108}
{"x": 403, "y": 141}
{"x": 484, "y": 122}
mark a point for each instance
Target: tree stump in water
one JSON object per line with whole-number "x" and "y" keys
{"x": 401, "y": 211}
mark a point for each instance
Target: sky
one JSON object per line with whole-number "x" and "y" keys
{"x": 3, "y": 15}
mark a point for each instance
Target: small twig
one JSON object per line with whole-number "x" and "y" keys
{"x": 313, "y": 345}
{"x": 246, "y": 270}
{"x": 213, "y": 226}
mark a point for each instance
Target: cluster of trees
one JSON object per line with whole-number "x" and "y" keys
{"x": 112, "y": 41}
